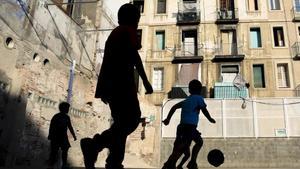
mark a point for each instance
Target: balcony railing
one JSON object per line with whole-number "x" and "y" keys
{"x": 188, "y": 53}
{"x": 297, "y": 91}
{"x": 228, "y": 90}
{"x": 227, "y": 16}
{"x": 296, "y": 51}
{"x": 229, "y": 52}
{"x": 160, "y": 54}
{"x": 188, "y": 13}
{"x": 296, "y": 13}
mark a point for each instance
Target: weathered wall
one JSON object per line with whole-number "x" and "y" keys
{"x": 34, "y": 75}
{"x": 246, "y": 152}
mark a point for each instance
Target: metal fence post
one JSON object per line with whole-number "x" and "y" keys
{"x": 286, "y": 119}
{"x": 255, "y": 119}
{"x": 223, "y": 118}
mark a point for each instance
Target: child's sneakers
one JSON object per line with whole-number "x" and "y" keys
{"x": 167, "y": 165}
{"x": 192, "y": 165}
{"x": 88, "y": 148}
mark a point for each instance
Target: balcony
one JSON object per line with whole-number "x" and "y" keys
{"x": 182, "y": 91}
{"x": 229, "y": 52}
{"x": 296, "y": 13}
{"x": 188, "y": 13}
{"x": 228, "y": 90}
{"x": 297, "y": 91}
{"x": 296, "y": 51}
{"x": 227, "y": 16}
{"x": 188, "y": 53}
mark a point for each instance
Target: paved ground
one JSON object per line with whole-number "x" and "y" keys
{"x": 145, "y": 168}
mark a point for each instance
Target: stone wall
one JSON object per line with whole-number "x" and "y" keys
{"x": 34, "y": 76}
{"x": 246, "y": 152}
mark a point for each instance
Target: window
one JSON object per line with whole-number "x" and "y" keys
{"x": 161, "y": 6}
{"x": 278, "y": 36}
{"x": 139, "y": 36}
{"x": 275, "y": 4}
{"x": 158, "y": 78}
{"x": 255, "y": 38}
{"x": 229, "y": 72}
{"x": 160, "y": 40}
{"x": 283, "y": 75}
{"x": 259, "y": 76}
{"x": 253, "y": 5}
{"x": 297, "y": 5}
{"x": 189, "y": 42}
{"x": 226, "y": 4}
{"x": 139, "y": 4}
{"x": 228, "y": 39}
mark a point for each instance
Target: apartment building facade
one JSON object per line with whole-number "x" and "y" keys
{"x": 226, "y": 44}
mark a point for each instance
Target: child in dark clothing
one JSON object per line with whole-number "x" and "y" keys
{"x": 59, "y": 125}
{"x": 116, "y": 87}
{"x": 187, "y": 129}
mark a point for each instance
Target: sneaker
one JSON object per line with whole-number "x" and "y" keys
{"x": 89, "y": 152}
{"x": 168, "y": 166}
{"x": 192, "y": 165}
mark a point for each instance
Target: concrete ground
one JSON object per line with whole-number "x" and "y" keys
{"x": 141, "y": 168}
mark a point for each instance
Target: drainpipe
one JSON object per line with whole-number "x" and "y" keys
{"x": 70, "y": 86}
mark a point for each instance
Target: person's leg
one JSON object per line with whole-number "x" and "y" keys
{"x": 53, "y": 152}
{"x": 126, "y": 115}
{"x": 175, "y": 155}
{"x": 198, "y": 144}
{"x": 64, "y": 156}
{"x": 185, "y": 158}
{"x": 182, "y": 142}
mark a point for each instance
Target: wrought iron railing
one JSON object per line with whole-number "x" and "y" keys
{"x": 188, "y": 12}
{"x": 188, "y": 50}
{"x": 227, "y": 14}
{"x": 296, "y": 12}
{"x": 297, "y": 91}
{"x": 296, "y": 49}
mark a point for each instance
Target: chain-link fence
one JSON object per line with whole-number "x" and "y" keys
{"x": 261, "y": 117}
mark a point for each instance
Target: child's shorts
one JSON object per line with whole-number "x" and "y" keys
{"x": 186, "y": 133}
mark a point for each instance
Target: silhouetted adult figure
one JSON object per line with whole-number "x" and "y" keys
{"x": 116, "y": 87}
{"x": 59, "y": 125}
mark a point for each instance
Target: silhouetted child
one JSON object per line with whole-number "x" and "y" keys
{"x": 187, "y": 128}
{"x": 59, "y": 125}
{"x": 116, "y": 86}
{"x": 186, "y": 156}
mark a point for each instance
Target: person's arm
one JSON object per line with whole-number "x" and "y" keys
{"x": 140, "y": 68}
{"x": 71, "y": 129}
{"x": 207, "y": 115}
{"x": 171, "y": 112}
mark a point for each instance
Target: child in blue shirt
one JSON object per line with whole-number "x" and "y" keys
{"x": 187, "y": 129}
